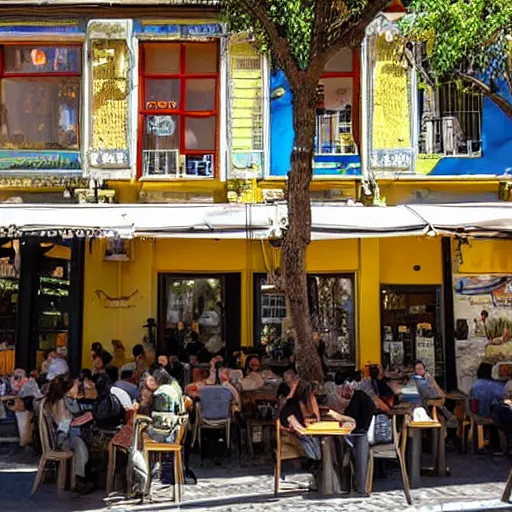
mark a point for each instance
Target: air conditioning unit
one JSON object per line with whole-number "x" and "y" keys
{"x": 453, "y": 135}
{"x": 161, "y": 163}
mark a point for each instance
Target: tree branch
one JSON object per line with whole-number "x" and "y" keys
{"x": 279, "y": 46}
{"x": 499, "y": 100}
{"x": 352, "y": 32}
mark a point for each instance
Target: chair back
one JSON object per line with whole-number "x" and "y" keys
{"x": 215, "y": 402}
{"x": 46, "y": 429}
{"x": 182, "y": 430}
{"x": 474, "y": 406}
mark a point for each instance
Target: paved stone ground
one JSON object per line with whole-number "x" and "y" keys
{"x": 476, "y": 483}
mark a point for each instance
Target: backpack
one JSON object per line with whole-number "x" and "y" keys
{"x": 381, "y": 430}
{"x": 108, "y": 412}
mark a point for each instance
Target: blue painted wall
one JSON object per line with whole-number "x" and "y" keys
{"x": 282, "y": 135}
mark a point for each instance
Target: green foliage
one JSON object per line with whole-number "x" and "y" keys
{"x": 467, "y": 36}
{"x": 294, "y": 22}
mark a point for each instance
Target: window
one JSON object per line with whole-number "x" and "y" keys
{"x": 450, "y": 120}
{"x": 337, "y": 102}
{"x": 331, "y": 302}
{"x": 178, "y": 111}
{"x": 40, "y": 96}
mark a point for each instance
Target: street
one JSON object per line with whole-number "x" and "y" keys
{"x": 476, "y": 484}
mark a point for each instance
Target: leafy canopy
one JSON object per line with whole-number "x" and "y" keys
{"x": 298, "y": 33}
{"x": 469, "y": 37}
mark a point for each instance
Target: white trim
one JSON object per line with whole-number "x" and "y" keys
{"x": 133, "y": 100}
{"x": 364, "y": 150}
{"x": 265, "y": 76}
{"x": 222, "y": 114}
{"x": 86, "y": 112}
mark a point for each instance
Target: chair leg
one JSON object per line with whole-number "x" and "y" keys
{"x": 472, "y": 436}
{"x": 148, "y": 482}
{"x": 228, "y": 436}
{"x": 405, "y": 478}
{"x": 177, "y": 477}
{"x": 508, "y": 489}
{"x": 369, "y": 477}
{"x": 249, "y": 441}
{"x": 39, "y": 475}
{"x": 61, "y": 474}
{"x": 481, "y": 437}
{"x": 111, "y": 467}
{"x": 277, "y": 474}
{"x": 72, "y": 479}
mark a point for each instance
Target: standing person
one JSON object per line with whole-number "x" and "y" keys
{"x": 361, "y": 408}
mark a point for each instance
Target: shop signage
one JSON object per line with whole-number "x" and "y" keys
{"x": 110, "y": 158}
{"x": 161, "y": 105}
{"x": 40, "y": 160}
{"x": 178, "y": 30}
{"x": 65, "y": 233}
{"x": 33, "y": 27}
{"x": 398, "y": 159}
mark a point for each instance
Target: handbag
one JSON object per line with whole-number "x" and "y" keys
{"x": 381, "y": 430}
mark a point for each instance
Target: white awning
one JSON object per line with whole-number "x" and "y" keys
{"x": 257, "y": 221}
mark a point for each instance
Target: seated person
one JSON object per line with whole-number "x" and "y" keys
{"x": 125, "y": 383}
{"x": 427, "y": 386}
{"x": 303, "y": 392}
{"x": 292, "y": 420}
{"x": 379, "y": 384}
{"x": 361, "y": 408}
{"x": 502, "y": 414}
{"x": 177, "y": 369}
{"x": 254, "y": 378}
{"x": 486, "y": 390}
{"x": 138, "y": 365}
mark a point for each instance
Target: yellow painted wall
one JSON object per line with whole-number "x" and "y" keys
{"x": 398, "y": 256}
{"x": 373, "y": 261}
{"x": 484, "y": 257}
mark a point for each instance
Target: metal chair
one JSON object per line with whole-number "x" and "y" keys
{"x": 51, "y": 453}
{"x": 391, "y": 451}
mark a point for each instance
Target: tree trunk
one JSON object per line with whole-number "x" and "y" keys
{"x": 298, "y": 234}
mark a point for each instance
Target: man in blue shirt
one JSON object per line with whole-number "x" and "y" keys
{"x": 125, "y": 384}
{"x": 486, "y": 390}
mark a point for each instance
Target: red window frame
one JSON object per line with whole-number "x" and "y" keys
{"x": 181, "y": 112}
{"x": 46, "y": 74}
{"x": 355, "y": 74}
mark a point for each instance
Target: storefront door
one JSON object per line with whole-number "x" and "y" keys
{"x": 412, "y": 328}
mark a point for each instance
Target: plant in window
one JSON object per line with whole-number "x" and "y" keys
{"x": 301, "y": 36}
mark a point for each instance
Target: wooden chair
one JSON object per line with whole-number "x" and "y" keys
{"x": 392, "y": 451}
{"x": 51, "y": 453}
{"x": 476, "y": 426}
{"x": 150, "y": 446}
{"x": 508, "y": 489}
{"x": 287, "y": 448}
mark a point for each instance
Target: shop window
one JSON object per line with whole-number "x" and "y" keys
{"x": 178, "y": 113}
{"x": 331, "y": 302}
{"x": 337, "y": 100}
{"x": 40, "y": 96}
{"x": 9, "y": 288}
{"x": 411, "y": 329}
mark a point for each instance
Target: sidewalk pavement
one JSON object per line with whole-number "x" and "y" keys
{"x": 476, "y": 483}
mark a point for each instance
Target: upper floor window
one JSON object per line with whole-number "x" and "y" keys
{"x": 450, "y": 120}
{"x": 337, "y": 102}
{"x": 40, "y": 97}
{"x": 179, "y": 109}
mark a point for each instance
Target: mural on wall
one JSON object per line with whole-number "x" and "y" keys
{"x": 40, "y": 160}
{"x": 282, "y": 136}
{"x": 483, "y": 323}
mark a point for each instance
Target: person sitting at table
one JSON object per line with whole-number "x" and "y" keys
{"x": 361, "y": 408}
{"x": 502, "y": 414}
{"x": 293, "y": 421}
{"x": 125, "y": 383}
{"x": 303, "y": 392}
{"x": 486, "y": 391}
{"x": 253, "y": 377}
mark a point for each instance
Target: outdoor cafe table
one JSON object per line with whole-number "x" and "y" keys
{"x": 329, "y": 483}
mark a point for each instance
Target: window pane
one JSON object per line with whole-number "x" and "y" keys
{"x": 200, "y": 133}
{"x": 161, "y": 146}
{"x": 40, "y": 113}
{"x": 201, "y": 58}
{"x": 341, "y": 62}
{"x": 334, "y": 122}
{"x": 42, "y": 59}
{"x": 194, "y": 311}
{"x": 200, "y": 94}
{"x": 199, "y": 165}
{"x": 331, "y": 302}
{"x": 162, "y": 58}
{"x": 161, "y": 132}
{"x": 161, "y": 94}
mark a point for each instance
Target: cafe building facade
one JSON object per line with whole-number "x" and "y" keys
{"x": 114, "y": 102}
